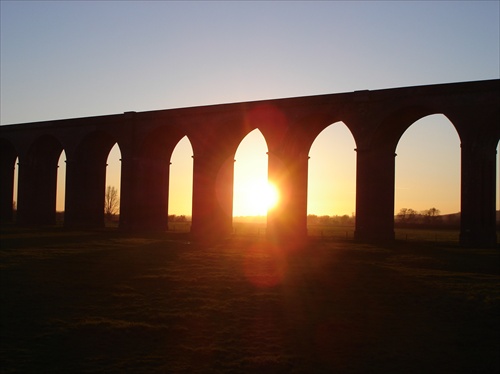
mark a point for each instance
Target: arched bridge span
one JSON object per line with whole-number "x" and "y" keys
{"x": 377, "y": 119}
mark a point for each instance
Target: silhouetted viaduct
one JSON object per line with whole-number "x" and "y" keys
{"x": 376, "y": 119}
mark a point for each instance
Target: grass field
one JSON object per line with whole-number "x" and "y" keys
{"x": 104, "y": 301}
{"x": 450, "y": 236}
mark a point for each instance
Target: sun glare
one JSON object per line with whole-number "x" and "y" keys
{"x": 258, "y": 198}
{"x": 270, "y": 194}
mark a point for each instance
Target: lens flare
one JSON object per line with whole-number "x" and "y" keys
{"x": 271, "y": 195}
{"x": 255, "y": 198}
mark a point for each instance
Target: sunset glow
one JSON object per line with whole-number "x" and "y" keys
{"x": 258, "y": 197}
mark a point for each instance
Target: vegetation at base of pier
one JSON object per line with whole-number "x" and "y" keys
{"x": 83, "y": 301}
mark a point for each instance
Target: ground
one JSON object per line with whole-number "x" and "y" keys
{"x": 104, "y": 301}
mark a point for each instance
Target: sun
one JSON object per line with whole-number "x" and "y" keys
{"x": 256, "y": 198}
{"x": 269, "y": 194}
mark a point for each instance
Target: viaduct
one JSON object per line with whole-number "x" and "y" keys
{"x": 377, "y": 119}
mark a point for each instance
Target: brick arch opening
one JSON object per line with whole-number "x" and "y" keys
{"x": 252, "y": 195}
{"x": 180, "y": 195}
{"x": 61, "y": 187}
{"x": 113, "y": 186}
{"x": 391, "y": 128}
{"x": 150, "y": 167}
{"x": 332, "y": 177}
{"x": 376, "y": 166}
{"x": 86, "y": 180}
{"x": 427, "y": 174}
{"x": 16, "y": 188}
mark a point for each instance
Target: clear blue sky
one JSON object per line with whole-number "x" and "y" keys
{"x": 65, "y": 59}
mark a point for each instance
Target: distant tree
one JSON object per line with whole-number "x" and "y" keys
{"x": 175, "y": 218}
{"x": 411, "y": 215}
{"x": 431, "y": 215}
{"x": 433, "y": 212}
{"x": 401, "y": 216}
{"x": 111, "y": 202}
{"x": 407, "y": 215}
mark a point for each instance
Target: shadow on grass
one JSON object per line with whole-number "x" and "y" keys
{"x": 110, "y": 302}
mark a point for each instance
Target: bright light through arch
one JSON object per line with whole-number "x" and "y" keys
{"x": 498, "y": 177}
{"x": 332, "y": 172}
{"x": 428, "y": 166}
{"x": 180, "y": 196}
{"x": 253, "y": 194}
{"x": 114, "y": 170}
{"x": 257, "y": 197}
{"x": 61, "y": 182}
{"x": 16, "y": 182}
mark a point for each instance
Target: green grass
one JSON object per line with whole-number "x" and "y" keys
{"x": 104, "y": 301}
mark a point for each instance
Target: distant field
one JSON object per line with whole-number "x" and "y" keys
{"x": 336, "y": 232}
{"x": 103, "y": 301}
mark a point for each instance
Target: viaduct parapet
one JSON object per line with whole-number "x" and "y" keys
{"x": 377, "y": 119}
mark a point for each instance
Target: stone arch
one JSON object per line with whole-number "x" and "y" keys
{"x": 375, "y": 170}
{"x": 37, "y": 183}
{"x": 429, "y": 147}
{"x": 334, "y": 145}
{"x": 251, "y": 175}
{"x": 271, "y": 121}
{"x": 214, "y": 146}
{"x": 61, "y": 186}
{"x": 159, "y": 143}
{"x": 150, "y": 166}
{"x": 8, "y": 156}
{"x": 393, "y": 125}
{"x": 113, "y": 183}
{"x": 93, "y": 146}
{"x": 86, "y": 180}
{"x": 307, "y": 131}
{"x": 180, "y": 193}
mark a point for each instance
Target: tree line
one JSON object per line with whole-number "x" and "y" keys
{"x": 428, "y": 217}
{"x": 405, "y": 217}
{"x": 180, "y": 218}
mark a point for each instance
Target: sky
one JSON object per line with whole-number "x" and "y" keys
{"x": 65, "y": 59}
